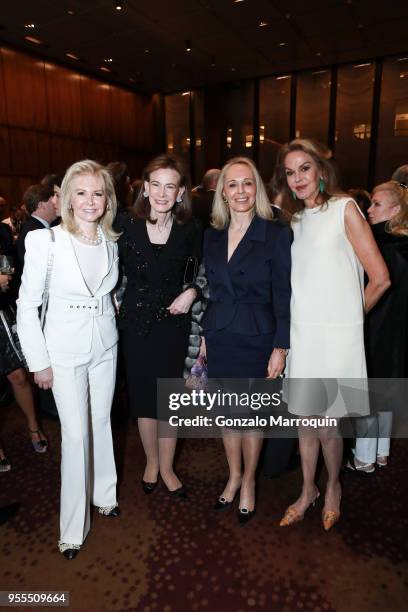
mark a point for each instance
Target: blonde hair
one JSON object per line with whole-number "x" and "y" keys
{"x": 399, "y": 223}
{"x": 321, "y": 155}
{"x": 87, "y": 166}
{"x": 220, "y": 216}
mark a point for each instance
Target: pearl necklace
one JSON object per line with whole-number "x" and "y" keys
{"x": 94, "y": 241}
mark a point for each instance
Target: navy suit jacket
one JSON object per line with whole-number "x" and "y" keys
{"x": 250, "y": 294}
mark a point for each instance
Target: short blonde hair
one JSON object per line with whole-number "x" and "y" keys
{"x": 87, "y": 166}
{"x": 220, "y": 216}
{"x": 399, "y": 223}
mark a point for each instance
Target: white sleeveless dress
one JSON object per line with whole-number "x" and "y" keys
{"x": 327, "y": 313}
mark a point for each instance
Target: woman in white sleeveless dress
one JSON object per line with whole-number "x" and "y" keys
{"x": 332, "y": 247}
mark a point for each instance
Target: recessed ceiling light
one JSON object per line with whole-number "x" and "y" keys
{"x": 188, "y": 46}
{"x": 262, "y": 24}
{"x": 185, "y": 93}
{"x": 118, "y": 6}
{"x": 71, "y": 12}
{"x": 29, "y": 26}
{"x": 72, "y": 56}
{"x": 281, "y": 78}
{"x": 362, "y": 65}
{"x": 318, "y": 53}
{"x": 104, "y": 69}
{"x": 238, "y": 1}
{"x": 147, "y": 51}
{"x": 31, "y": 39}
{"x": 108, "y": 60}
{"x": 233, "y": 69}
{"x": 283, "y": 44}
{"x": 402, "y": 59}
{"x": 319, "y": 71}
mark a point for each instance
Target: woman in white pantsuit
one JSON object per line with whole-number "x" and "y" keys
{"x": 75, "y": 353}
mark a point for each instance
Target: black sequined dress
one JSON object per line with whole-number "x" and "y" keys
{"x": 154, "y": 342}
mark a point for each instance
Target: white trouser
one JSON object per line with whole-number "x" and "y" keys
{"x": 83, "y": 389}
{"x": 368, "y": 448}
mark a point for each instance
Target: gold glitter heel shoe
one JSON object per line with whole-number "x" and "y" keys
{"x": 330, "y": 518}
{"x": 292, "y": 516}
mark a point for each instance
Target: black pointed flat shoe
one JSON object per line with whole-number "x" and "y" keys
{"x": 222, "y": 504}
{"x": 70, "y": 553}
{"x": 149, "y": 487}
{"x": 179, "y": 493}
{"x": 245, "y": 515}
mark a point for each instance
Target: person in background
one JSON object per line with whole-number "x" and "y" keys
{"x": 121, "y": 182}
{"x": 53, "y": 181}
{"x": 400, "y": 175}
{"x": 203, "y": 196}
{"x": 386, "y": 325}
{"x": 160, "y": 250}
{"x": 75, "y": 352}
{"x": 363, "y": 199}
{"x": 332, "y": 246}
{"x": 12, "y": 365}
{"x": 246, "y": 324}
{"x": 39, "y": 201}
{"x": 18, "y": 216}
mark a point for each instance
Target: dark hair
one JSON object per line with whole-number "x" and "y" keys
{"x": 119, "y": 174}
{"x": 36, "y": 194}
{"x": 401, "y": 175}
{"x": 181, "y": 211}
{"x": 363, "y": 199}
{"x": 50, "y": 180}
{"x": 321, "y": 156}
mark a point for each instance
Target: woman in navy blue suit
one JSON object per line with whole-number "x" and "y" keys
{"x": 246, "y": 325}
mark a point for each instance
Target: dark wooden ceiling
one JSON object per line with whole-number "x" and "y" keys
{"x": 147, "y": 39}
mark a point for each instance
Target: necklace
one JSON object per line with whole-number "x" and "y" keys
{"x": 94, "y": 241}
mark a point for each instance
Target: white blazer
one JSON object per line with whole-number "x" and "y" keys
{"x": 73, "y": 311}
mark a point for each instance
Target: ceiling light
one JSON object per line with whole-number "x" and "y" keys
{"x": 188, "y": 46}
{"x": 118, "y": 6}
{"x": 262, "y": 24}
{"x": 71, "y": 12}
{"x": 362, "y": 65}
{"x": 104, "y": 69}
{"x": 108, "y": 60}
{"x": 185, "y": 93}
{"x": 29, "y": 26}
{"x": 72, "y": 56}
{"x": 402, "y": 59}
{"x": 31, "y": 39}
{"x": 212, "y": 61}
{"x": 280, "y": 78}
{"x": 319, "y": 71}
{"x": 237, "y": 1}
{"x": 282, "y": 44}
{"x": 233, "y": 69}
{"x": 147, "y": 51}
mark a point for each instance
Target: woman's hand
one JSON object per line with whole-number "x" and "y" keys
{"x": 183, "y": 302}
{"x": 203, "y": 348}
{"x": 276, "y": 363}
{"x": 4, "y": 281}
{"x": 44, "y": 378}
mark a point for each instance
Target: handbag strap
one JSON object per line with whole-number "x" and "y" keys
{"x": 46, "y": 294}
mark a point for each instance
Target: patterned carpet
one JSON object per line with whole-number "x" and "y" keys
{"x": 172, "y": 556}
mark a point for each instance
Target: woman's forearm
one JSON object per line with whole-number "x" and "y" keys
{"x": 374, "y": 291}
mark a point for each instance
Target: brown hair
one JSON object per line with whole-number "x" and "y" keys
{"x": 36, "y": 194}
{"x": 181, "y": 211}
{"x": 321, "y": 155}
{"x": 399, "y": 223}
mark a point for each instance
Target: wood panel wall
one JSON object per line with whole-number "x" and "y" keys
{"x": 51, "y": 117}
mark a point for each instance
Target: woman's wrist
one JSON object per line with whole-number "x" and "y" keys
{"x": 282, "y": 351}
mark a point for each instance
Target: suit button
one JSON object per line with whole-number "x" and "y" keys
{"x": 96, "y": 307}
{"x": 83, "y": 306}
{"x": 89, "y": 306}
{"x": 71, "y": 306}
{"x": 78, "y": 306}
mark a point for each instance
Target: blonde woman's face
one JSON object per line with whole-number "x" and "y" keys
{"x": 88, "y": 198}
{"x": 239, "y": 188}
{"x": 383, "y": 207}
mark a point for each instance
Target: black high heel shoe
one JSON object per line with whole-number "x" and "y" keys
{"x": 223, "y": 504}
{"x": 149, "y": 487}
{"x": 180, "y": 493}
{"x": 245, "y": 515}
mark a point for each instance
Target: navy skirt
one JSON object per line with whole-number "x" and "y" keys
{"x": 231, "y": 355}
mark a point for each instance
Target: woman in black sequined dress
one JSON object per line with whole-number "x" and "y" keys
{"x": 159, "y": 250}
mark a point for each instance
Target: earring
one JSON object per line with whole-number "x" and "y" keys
{"x": 321, "y": 184}
{"x": 179, "y": 199}
{"x": 145, "y": 194}
{"x": 224, "y": 199}
{"x": 293, "y": 195}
